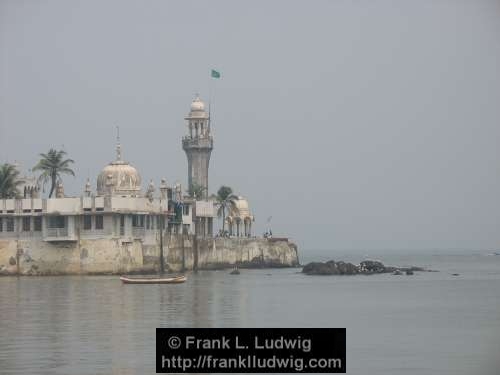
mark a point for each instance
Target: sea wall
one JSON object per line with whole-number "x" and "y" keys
{"x": 195, "y": 253}
{"x": 115, "y": 256}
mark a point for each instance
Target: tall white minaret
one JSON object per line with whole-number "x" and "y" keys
{"x": 198, "y": 145}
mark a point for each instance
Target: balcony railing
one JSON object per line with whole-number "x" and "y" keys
{"x": 57, "y": 232}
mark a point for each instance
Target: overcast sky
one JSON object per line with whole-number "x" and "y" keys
{"x": 354, "y": 124}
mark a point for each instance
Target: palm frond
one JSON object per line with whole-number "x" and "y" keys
{"x": 52, "y": 166}
{"x": 9, "y": 181}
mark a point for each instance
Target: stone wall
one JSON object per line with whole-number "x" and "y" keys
{"x": 115, "y": 256}
{"x": 199, "y": 253}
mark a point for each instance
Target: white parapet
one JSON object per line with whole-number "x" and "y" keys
{"x": 135, "y": 204}
{"x": 26, "y": 204}
{"x": 205, "y": 209}
{"x": 9, "y": 204}
{"x": 37, "y": 204}
{"x": 99, "y": 203}
{"x": 64, "y": 206}
{"x": 87, "y": 203}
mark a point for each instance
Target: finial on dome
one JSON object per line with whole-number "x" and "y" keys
{"x": 151, "y": 190}
{"x": 118, "y": 145}
{"x": 60, "y": 190}
{"x": 88, "y": 189}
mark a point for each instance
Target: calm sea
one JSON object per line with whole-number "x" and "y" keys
{"x": 429, "y": 323}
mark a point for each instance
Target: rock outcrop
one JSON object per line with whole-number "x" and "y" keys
{"x": 330, "y": 268}
{"x": 366, "y": 267}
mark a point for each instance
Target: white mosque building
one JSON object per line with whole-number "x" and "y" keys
{"x": 120, "y": 209}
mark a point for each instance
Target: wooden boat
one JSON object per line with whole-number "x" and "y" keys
{"x": 153, "y": 280}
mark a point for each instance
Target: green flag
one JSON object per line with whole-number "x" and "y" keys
{"x": 215, "y": 74}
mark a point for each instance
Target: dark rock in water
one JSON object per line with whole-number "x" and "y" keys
{"x": 455, "y": 274}
{"x": 319, "y": 268}
{"x": 366, "y": 267}
{"x": 235, "y": 272}
{"x": 330, "y": 268}
{"x": 372, "y": 266}
{"x": 344, "y": 268}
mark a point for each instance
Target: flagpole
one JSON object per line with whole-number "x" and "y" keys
{"x": 209, "y": 118}
{"x": 210, "y": 89}
{"x": 213, "y": 74}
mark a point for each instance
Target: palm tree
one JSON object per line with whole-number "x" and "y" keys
{"x": 196, "y": 191}
{"x": 9, "y": 181}
{"x": 53, "y": 165}
{"x": 225, "y": 200}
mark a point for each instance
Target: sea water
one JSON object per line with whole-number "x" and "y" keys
{"x": 428, "y": 323}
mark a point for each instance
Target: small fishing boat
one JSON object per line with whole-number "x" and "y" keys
{"x": 153, "y": 280}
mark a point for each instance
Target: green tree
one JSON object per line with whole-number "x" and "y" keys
{"x": 53, "y": 165}
{"x": 9, "y": 181}
{"x": 225, "y": 200}
{"x": 196, "y": 191}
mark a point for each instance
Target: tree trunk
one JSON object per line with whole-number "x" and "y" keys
{"x": 223, "y": 219}
{"x": 52, "y": 187}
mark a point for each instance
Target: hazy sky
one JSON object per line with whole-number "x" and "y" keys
{"x": 354, "y": 124}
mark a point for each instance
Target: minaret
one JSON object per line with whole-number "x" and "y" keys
{"x": 198, "y": 145}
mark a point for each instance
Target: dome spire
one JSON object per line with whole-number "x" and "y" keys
{"x": 118, "y": 145}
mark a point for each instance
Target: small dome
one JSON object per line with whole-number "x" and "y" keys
{"x": 243, "y": 210}
{"x": 197, "y": 111}
{"x": 197, "y": 105}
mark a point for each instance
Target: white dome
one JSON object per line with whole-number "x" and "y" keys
{"x": 119, "y": 178}
{"x": 243, "y": 210}
{"x": 197, "y": 105}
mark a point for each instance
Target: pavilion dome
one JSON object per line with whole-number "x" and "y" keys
{"x": 197, "y": 105}
{"x": 197, "y": 110}
{"x": 243, "y": 210}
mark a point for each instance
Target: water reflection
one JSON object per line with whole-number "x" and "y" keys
{"x": 96, "y": 325}
{"x": 67, "y": 324}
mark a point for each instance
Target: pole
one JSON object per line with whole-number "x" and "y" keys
{"x": 211, "y": 95}
{"x": 210, "y": 106}
{"x": 162, "y": 266}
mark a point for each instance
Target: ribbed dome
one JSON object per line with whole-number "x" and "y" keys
{"x": 119, "y": 178}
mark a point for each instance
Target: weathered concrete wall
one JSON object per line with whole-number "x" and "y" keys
{"x": 96, "y": 256}
{"x": 114, "y": 256}
{"x": 226, "y": 252}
